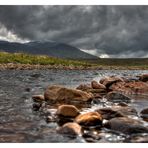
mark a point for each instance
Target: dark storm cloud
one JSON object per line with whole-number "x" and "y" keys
{"x": 113, "y": 30}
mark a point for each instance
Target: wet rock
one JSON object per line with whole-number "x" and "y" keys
{"x": 126, "y": 125}
{"x": 122, "y": 104}
{"x": 67, "y": 111}
{"x": 137, "y": 139}
{"x": 70, "y": 129}
{"x": 28, "y": 89}
{"x": 144, "y": 78}
{"x": 49, "y": 119}
{"x": 98, "y": 91}
{"x": 117, "y": 97}
{"x": 108, "y": 113}
{"x": 38, "y": 98}
{"x": 59, "y": 94}
{"x": 102, "y": 80}
{"x": 63, "y": 120}
{"x": 116, "y": 111}
{"x": 97, "y": 95}
{"x": 108, "y": 81}
{"x": 36, "y": 75}
{"x": 144, "y": 111}
{"x": 133, "y": 87}
{"x": 36, "y": 106}
{"x": 89, "y": 119}
{"x": 125, "y": 110}
{"x": 84, "y": 87}
{"x": 91, "y": 136}
{"x": 96, "y": 85}
{"x": 144, "y": 114}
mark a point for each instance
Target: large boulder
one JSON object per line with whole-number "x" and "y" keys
{"x": 70, "y": 129}
{"x": 89, "y": 119}
{"x": 117, "y": 97}
{"x": 59, "y": 94}
{"x": 96, "y": 85}
{"x": 126, "y": 125}
{"x": 67, "y": 111}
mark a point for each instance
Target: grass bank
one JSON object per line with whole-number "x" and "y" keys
{"x": 22, "y": 58}
{"x": 26, "y": 61}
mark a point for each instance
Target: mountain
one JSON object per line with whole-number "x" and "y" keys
{"x": 50, "y": 48}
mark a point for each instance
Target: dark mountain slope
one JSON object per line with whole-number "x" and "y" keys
{"x": 49, "y": 48}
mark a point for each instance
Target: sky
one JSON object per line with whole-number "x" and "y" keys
{"x": 106, "y": 31}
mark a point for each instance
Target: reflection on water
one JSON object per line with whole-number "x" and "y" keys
{"x": 19, "y": 123}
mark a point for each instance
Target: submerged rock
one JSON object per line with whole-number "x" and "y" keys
{"x": 89, "y": 119}
{"x": 67, "y": 111}
{"x": 70, "y": 129}
{"x": 127, "y": 125}
{"x": 38, "y": 98}
{"x": 144, "y": 114}
{"x": 117, "y": 97}
{"x": 108, "y": 113}
{"x": 116, "y": 111}
{"x": 96, "y": 85}
{"x": 137, "y": 139}
{"x": 36, "y": 106}
{"x": 59, "y": 93}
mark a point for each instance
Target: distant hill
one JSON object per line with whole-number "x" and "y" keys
{"x": 49, "y": 48}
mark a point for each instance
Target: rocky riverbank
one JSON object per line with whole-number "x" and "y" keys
{"x": 113, "y": 112}
{"x": 18, "y": 66}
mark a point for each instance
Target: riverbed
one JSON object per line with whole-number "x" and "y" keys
{"x": 18, "y": 121}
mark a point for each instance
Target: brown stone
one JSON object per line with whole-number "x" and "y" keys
{"x": 84, "y": 87}
{"x": 89, "y": 119}
{"x": 67, "y": 111}
{"x": 70, "y": 129}
{"x": 144, "y": 78}
{"x": 96, "y": 91}
{"x": 127, "y": 125}
{"x": 144, "y": 114}
{"x": 96, "y": 85}
{"x": 140, "y": 138}
{"x": 60, "y": 93}
{"x": 38, "y": 98}
{"x": 102, "y": 80}
{"x": 130, "y": 87}
{"x": 108, "y": 81}
{"x": 144, "y": 111}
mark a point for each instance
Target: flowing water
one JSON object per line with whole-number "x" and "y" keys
{"x": 19, "y": 123}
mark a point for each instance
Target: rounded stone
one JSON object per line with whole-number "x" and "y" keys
{"x": 96, "y": 85}
{"x": 70, "y": 129}
{"x": 67, "y": 111}
{"x": 127, "y": 125}
{"x": 89, "y": 119}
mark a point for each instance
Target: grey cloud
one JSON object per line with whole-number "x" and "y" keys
{"x": 112, "y": 30}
